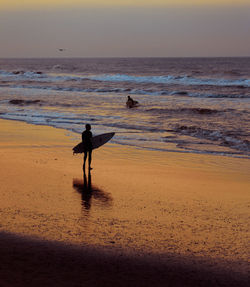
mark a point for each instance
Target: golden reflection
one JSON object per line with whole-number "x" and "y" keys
{"x": 188, "y": 204}
{"x": 91, "y": 192}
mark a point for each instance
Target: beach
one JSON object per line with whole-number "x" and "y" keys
{"x": 150, "y": 217}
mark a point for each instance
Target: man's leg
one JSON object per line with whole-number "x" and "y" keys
{"x": 84, "y": 161}
{"x": 90, "y": 158}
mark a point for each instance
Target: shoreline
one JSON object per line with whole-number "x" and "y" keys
{"x": 143, "y": 205}
{"x": 74, "y": 134}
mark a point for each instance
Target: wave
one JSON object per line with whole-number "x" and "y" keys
{"x": 122, "y": 91}
{"x": 138, "y": 133}
{"x": 200, "y": 111}
{"x": 225, "y": 138}
{"x": 21, "y": 74}
{"x": 20, "y": 102}
{"x": 169, "y": 79}
{"x": 179, "y": 80}
{"x": 163, "y": 79}
{"x": 220, "y": 96}
{"x": 77, "y": 89}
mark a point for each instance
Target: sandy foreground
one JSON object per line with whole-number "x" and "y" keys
{"x": 141, "y": 218}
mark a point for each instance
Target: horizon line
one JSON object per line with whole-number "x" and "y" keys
{"x": 120, "y": 57}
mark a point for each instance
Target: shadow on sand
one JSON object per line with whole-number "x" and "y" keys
{"x": 47, "y": 263}
{"x": 89, "y": 192}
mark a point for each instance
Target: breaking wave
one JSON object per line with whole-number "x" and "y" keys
{"x": 164, "y": 79}
{"x": 225, "y": 138}
{"x": 180, "y": 80}
{"x": 106, "y": 90}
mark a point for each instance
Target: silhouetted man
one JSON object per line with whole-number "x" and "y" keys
{"x": 86, "y": 139}
{"x": 131, "y": 103}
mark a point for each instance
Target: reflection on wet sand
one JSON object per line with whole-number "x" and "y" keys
{"x": 89, "y": 192}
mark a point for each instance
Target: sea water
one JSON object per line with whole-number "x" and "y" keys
{"x": 197, "y": 105}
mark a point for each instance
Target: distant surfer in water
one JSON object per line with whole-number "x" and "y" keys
{"x": 86, "y": 139}
{"x": 131, "y": 103}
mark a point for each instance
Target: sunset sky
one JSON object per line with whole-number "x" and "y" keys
{"x": 120, "y": 28}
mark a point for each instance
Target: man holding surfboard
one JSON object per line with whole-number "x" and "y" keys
{"x": 87, "y": 143}
{"x": 131, "y": 103}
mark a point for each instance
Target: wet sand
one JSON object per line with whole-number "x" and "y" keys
{"x": 151, "y": 218}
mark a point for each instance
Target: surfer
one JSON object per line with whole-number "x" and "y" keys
{"x": 86, "y": 139}
{"x": 131, "y": 103}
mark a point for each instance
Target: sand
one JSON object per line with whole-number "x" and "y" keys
{"x": 152, "y": 218}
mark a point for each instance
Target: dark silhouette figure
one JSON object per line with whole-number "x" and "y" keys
{"x": 131, "y": 103}
{"x": 88, "y": 191}
{"x": 86, "y": 140}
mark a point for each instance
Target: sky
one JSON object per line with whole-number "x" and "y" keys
{"x": 124, "y": 28}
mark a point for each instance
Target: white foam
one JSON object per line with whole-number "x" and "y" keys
{"x": 184, "y": 80}
{"x": 164, "y": 79}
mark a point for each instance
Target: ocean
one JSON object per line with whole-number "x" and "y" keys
{"x": 187, "y": 105}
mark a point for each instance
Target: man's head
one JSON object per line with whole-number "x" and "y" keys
{"x": 88, "y": 127}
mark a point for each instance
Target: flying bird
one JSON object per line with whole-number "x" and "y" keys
{"x": 61, "y": 49}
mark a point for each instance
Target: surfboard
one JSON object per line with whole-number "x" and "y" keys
{"x": 97, "y": 141}
{"x": 131, "y": 104}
